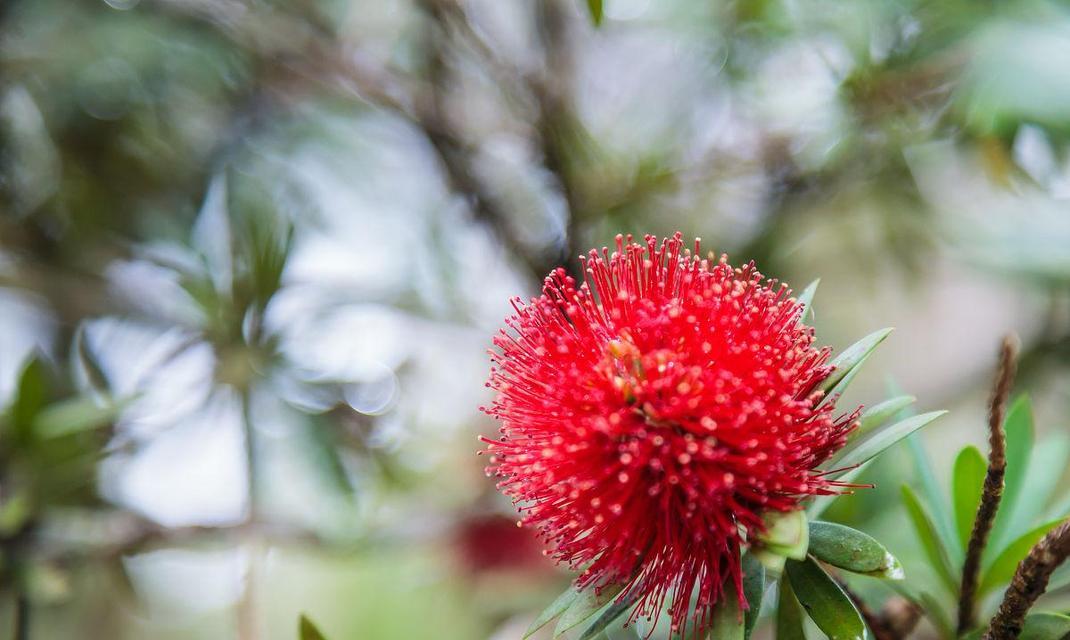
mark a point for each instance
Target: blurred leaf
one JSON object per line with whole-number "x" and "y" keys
{"x": 786, "y": 534}
{"x": 806, "y": 299}
{"x": 942, "y": 513}
{"x": 1045, "y": 626}
{"x": 846, "y": 363}
{"x": 754, "y": 590}
{"x": 612, "y": 613}
{"x": 596, "y": 9}
{"x": 308, "y": 631}
{"x": 30, "y": 396}
{"x": 824, "y": 601}
{"x": 1001, "y": 570}
{"x": 586, "y": 604}
{"x": 878, "y": 414}
{"x": 15, "y": 511}
{"x": 789, "y": 620}
{"x": 1020, "y": 438}
{"x": 967, "y": 485}
{"x": 871, "y": 446}
{"x": 1042, "y": 625}
{"x": 930, "y": 541}
{"x": 852, "y": 550}
{"x": 75, "y": 415}
{"x": 1047, "y": 464}
{"x": 936, "y": 614}
{"x": 556, "y": 608}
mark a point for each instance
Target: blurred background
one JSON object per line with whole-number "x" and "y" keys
{"x": 252, "y": 253}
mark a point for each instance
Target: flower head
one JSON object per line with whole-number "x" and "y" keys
{"x": 651, "y": 417}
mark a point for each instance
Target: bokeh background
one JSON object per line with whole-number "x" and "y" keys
{"x": 252, "y": 253}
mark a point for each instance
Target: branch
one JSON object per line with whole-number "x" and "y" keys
{"x": 1029, "y": 583}
{"x": 992, "y": 491}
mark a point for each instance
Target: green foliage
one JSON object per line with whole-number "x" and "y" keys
{"x": 966, "y": 487}
{"x": 852, "y": 550}
{"x": 306, "y": 630}
{"x": 824, "y": 601}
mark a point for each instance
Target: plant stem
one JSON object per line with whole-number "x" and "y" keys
{"x": 992, "y": 491}
{"x": 1029, "y": 583}
{"x": 247, "y": 618}
{"x": 22, "y": 617}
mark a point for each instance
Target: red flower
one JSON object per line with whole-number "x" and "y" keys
{"x": 648, "y": 425}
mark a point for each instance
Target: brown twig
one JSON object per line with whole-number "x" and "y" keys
{"x": 896, "y": 619}
{"x": 1029, "y": 583}
{"x": 992, "y": 491}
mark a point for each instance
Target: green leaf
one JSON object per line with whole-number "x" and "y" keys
{"x": 1020, "y": 437}
{"x": 967, "y": 484}
{"x": 609, "y": 615}
{"x": 1047, "y": 464}
{"x": 789, "y": 620}
{"x": 586, "y": 604}
{"x": 308, "y": 631}
{"x": 16, "y": 508}
{"x": 878, "y": 441}
{"x": 846, "y": 363}
{"x": 556, "y": 608}
{"x": 936, "y": 614}
{"x": 878, "y": 414}
{"x": 1002, "y": 569}
{"x": 942, "y": 514}
{"x": 825, "y": 602}
{"x": 1043, "y": 625}
{"x": 930, "y": 541}
{"x": 30, "y": 396}
{"x": 852, "y": 550}
{"x": 596, "y": 9}
{"x": 727, "y": 623}
{"x": 753, "y": 589}
{"x": 786, "y": 534}
{"x": 75, "y": 415}
{"x": 806, "y": 299}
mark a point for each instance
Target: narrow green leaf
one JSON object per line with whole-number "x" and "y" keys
{"x": 936, "y": 614}
{"x": 609, "y": 615}
{"x": 852, "y": 550}
{"x": 878, "y": 441}
{"x": 586, "y": 604}
{"x": 556, "y": 608}
{"x": 806, "y": 299}
{"x": 850, "y": 359}
{"x": 789, "y": 620}
{"x": 967, "y": 484}
{"x": 308, "y": 631}
{"x": 825, "y": 602}
{"x": 939, "y": 506}
{"x": 1001, "y": 570}
{"x": 1020, "y": 437}
{"x": 596, "y": 9}
{"x": 878, "y": 414}
{"x": 30, "y": 396}
{"x": 930, "y": 541}
{"x": 786, "y": 534}
{"x": 1047, "y": 465}
{"x": 753, "y": 589}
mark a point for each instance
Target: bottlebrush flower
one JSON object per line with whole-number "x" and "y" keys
{"x": 651, "y": 416}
